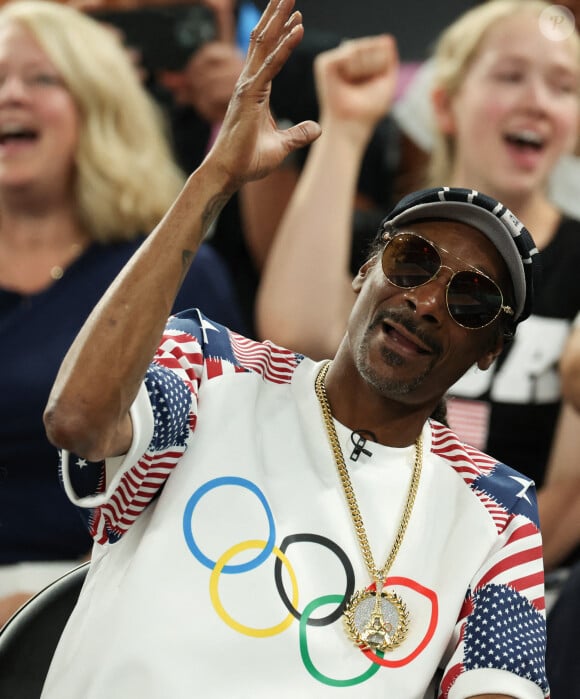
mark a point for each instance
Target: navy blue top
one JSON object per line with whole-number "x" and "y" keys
{"x": 37, "y": 522}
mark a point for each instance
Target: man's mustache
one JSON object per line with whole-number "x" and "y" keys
{"x": 407, "y": 320}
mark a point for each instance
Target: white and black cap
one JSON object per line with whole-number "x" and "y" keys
{"x": 508, "y": 234}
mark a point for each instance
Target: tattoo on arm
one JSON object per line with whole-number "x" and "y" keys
{"x": 186, "y": 258}
{"x": 210, "y": 213}
{"x": 213, "y": 208}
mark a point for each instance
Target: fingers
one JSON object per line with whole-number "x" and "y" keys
{"x": 273, "y": 7}
{"x": 273, "y": 39}
{"x": 249, "y": 145}
{"x": 300, "y": 135}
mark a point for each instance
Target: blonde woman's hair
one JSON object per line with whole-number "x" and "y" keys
{"x": 126, "y": 177}
{"x": 454, "y": 53}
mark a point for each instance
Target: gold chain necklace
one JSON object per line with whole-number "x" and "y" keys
{"x": 377, "y": 619}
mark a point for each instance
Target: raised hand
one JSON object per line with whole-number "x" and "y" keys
{"x": 88, "y": 409}
{"x": 249, "y": 144}
{"x": 356, "y": 81}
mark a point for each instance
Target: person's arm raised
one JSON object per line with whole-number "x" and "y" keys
{"x": 88, "y": 408}
{"x": 305, "y": 293}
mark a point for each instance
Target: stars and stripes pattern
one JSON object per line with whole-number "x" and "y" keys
{"x": 502, "y": 631}
{"x": 502, "y": 622}
{"x": 227, "y": 352}
{"x": 171, "y": 402}
{"x": 192, "y": 350}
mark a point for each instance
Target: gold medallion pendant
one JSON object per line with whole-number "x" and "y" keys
{"x": 379, "y": 622}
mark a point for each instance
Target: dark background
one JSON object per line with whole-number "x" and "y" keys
{"x": 414, "y": 23}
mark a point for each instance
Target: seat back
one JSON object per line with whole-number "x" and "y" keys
{"x": 29, "y": 638}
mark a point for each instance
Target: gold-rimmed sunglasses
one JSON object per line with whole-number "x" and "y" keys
{"x": 473, "y": 299}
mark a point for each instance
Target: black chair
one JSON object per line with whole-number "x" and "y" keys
{"x": 29, "y": 638}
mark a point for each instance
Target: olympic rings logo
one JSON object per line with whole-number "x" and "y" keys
{"x": 267, "y": 547}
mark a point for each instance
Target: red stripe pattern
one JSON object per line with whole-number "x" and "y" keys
{"x": 502, "y": 622}
{"x": 193, "y": 350}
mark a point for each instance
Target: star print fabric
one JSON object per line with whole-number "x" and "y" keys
{"x": 171, "y": 402}
{"x": 193, "y": 350}
{"x": 502, "y": 624}
{"x": 86, "y": 478}
{"x": 173, "y": 399}
{"x": 505, "y": 631}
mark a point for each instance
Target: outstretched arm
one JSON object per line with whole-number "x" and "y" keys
{"x": 305, "y": 293}
{"x": 88, "y": 408}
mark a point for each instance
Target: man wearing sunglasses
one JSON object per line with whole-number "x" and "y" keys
{"x": 453, "y": 295}
{"x": 266, "y": 525}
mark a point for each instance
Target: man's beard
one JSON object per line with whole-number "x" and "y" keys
{"x": 392, "y": 386}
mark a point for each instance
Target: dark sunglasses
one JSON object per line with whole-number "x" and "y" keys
{"x": 473, "y": 299}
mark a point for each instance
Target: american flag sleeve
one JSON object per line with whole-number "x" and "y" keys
{"x": 500, "y": 636}
{"x": 165, "y": 411}
{"x": 193, "y": 350}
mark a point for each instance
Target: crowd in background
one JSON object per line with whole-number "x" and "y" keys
{"x": 89, "y": 165}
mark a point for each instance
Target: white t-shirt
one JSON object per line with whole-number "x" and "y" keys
{"x": 229, "y": 577}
